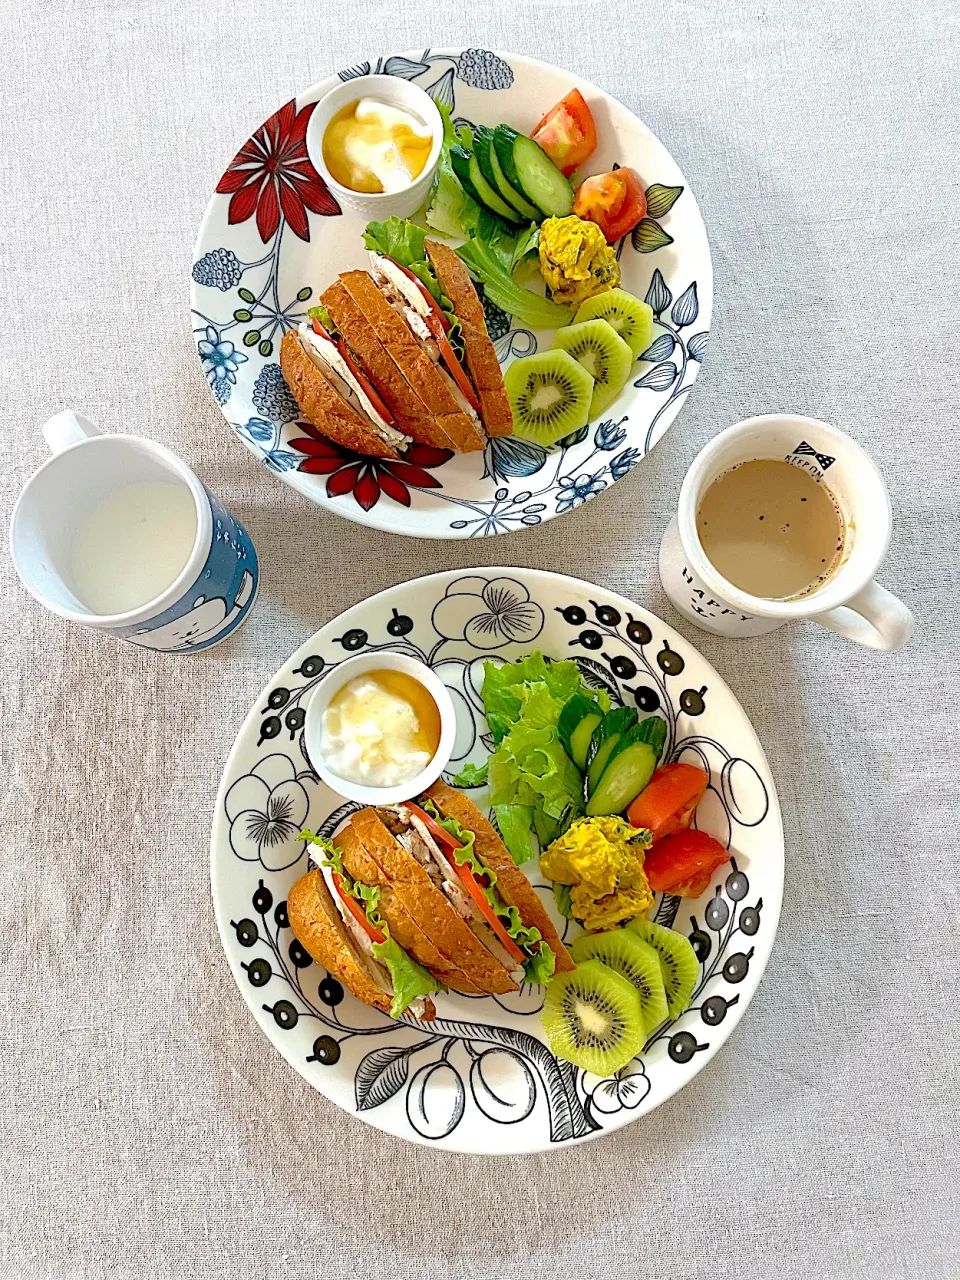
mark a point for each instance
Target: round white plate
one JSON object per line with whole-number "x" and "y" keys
{"x": 273, "y": 238}
{"x": 480, "y": 1078}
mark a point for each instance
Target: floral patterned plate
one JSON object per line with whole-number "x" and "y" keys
{"x": 273, "y": 238}
{"x": 481, "y": 1078}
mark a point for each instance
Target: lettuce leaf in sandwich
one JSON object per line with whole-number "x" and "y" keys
{"x": 539, "y": 959}
{"x": 404, "y": 242}
{"x": 408, "y": 978}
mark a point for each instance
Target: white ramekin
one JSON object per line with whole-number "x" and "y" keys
{"x": 327, "y": 690}
{"x": 394, "y": 91}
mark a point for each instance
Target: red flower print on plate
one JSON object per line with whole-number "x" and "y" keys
{"x": 272, "y": 174}
{"x": 367, "y": 478}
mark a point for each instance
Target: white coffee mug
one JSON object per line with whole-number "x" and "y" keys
{"x": 208, "y": 600}
{"x": 849, "y": 601}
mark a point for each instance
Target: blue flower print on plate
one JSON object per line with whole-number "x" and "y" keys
{"x": 273, "y": 238}
{"x": 481, "y": 1076}
{"x": 216, "y": 602}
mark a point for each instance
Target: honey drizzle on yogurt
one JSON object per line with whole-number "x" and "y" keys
{"x": 371, "y": 147}
{"x": 382, "y": 728}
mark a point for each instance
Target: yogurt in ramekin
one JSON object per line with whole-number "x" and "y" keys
{"x": 391, "y": 107}
{"x": 380, "y": 728}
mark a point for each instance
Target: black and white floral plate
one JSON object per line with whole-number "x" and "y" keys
{"x": 273, "y": 238}
{"x": 481, "y": 1078}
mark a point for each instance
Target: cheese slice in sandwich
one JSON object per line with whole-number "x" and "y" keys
{"x": 332, "y": 397}
{"x": 339, "y": 922}
{"x": 482, "y": 362}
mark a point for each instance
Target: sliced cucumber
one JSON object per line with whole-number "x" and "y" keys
{"x": 486, "y": 154}
{"x": 624, "y": 777}
{"x": 599, "y": 762}
{"x": 488, "y": 196}
{"x": 527, "y": 166}
{"x": 652, "y": 730}
{"x": 579, "y": 717}
{"x": 580, "y": 739}
{"x": 460, "y": 158}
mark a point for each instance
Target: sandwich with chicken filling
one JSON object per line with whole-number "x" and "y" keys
{"x": 333, "y": 392}
{"x": 339, "y": 921}
{"x": 445, "y": 892}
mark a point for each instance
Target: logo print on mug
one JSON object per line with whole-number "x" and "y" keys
{"x": 823, "y": 458}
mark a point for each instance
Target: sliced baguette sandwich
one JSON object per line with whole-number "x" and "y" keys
{"x": 387, "y": 360}
{"x": 411, "y": 898}
{"x": 482, "y": 363}
{"x": 340, "y": 923}
{"x": 330, "y": 392}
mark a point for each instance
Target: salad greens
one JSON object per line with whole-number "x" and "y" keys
{"x": 533, "y": 782}
{"x": 492, "y": 251}
{"x": 320, "y": 312}
{"x": 409, "y": 979}
{"x": 540, "y": 961}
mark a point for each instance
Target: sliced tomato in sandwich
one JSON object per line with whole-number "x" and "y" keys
{"x": 448, "y": 844}
{"x": 358, "y": 913}
{"x": 369, "y": 390}
{"x": 449, "y": 358}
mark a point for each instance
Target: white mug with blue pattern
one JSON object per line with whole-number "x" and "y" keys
{"x": 208, "y": 600}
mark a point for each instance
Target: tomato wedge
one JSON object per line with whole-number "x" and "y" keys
{"x": 427, "y": 295}
{"x": 567, "y": 133}
{"x": 448, "y": 843}
{"x": 358, "y": 913}
{"x": 683, "y": 863}
{"x": 615, "y": 201}
{"x": 449, "y": 358}
{"x": 667, "y": 802}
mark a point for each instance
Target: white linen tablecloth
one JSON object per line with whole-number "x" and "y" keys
{"x": 149, "y": 1129}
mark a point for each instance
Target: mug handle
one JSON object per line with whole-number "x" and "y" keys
{"x": 874, "y": 617}
{"x": 66, "y": 428}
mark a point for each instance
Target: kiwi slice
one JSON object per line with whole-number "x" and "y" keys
{"x": 592, "y": 1018}
{"x": 549, "y": 394}
{"x": 603, "y": 353}
{"x": 631, "y": 318}
{"x": 636, "y": 961}
{"x": 678, "y": 962}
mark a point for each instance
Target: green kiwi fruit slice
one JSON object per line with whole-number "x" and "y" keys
{"x": 550, "y": 396}
{"x": 603, "y": 353}
{"x": 678, "y": 962}
{"x": 592, "y": 1018}
{"x": 634, "y": 960}
{"x": 631, "y": 318}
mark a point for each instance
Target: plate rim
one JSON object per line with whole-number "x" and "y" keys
{"x": 369, "y": 519}
{"x": 772, "y": 909}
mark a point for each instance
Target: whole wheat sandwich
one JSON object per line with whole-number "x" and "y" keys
{"x": 412, "y": 898}
{"x": 382, "y": 364}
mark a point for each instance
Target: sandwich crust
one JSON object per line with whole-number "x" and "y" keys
{"x": 412, "y": 362}
{"x": 429, "y": 907}
{"x": 515, "y": 888}
{"x": 323, "y": 406}
{"x": 404, "y": 928}
{"x": 413, "y": 417}
{"x": 317, "y": 926}
{"x": 482, "y": 360}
